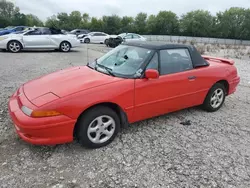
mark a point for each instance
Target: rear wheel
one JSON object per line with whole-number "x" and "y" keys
{"x": 215, "y": 98}
{"x": 14, "y": 46}
{"x": 65, "y": 46}
{"x": 98, "y": 127}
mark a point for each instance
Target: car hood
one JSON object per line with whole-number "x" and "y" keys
{"x": 66, "y": 82}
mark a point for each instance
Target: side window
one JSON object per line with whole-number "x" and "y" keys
{"x": 153, "y": 64}
{"x": 46, "y": 32}
{"x": 128, "y": 36}
{"x": 175, "y": 60}
{"x": 35, "y": 32}
{"x": 96, "y": 34}
{"x": 19, "y": 28}
{"x": 136, "y": 37}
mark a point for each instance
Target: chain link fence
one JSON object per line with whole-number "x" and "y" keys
{"x": 184, "y": 39}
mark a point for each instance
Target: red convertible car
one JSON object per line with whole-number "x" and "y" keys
{"x": 132, "y": 82}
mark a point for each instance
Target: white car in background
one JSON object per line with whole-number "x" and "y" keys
{"x": 127, "y": 37}
{"x": 38, "y": 38}
{"x": 96, "y": 37}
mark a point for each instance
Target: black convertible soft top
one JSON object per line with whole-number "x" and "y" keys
{"x": 198, "y": 60}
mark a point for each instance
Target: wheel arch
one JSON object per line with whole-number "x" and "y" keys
{"x": 66, "y": 41}
{"x": 120, "y": 112}
{"x": 16, "y": 41}
{"x": 225, "y": 83}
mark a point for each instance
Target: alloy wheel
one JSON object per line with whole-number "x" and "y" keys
{"x": 217, "y": 98}
{"x": 101, "y": 129}
{"x": 14, "y": 46}
{"x": 65, "y": 47}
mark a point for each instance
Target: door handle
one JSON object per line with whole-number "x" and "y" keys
{"x": 192, "y": 77}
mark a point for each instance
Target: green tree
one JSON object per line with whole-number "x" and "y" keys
{"x": 75, "y": 19}
{"x": 140, "y": 23}
{"x": 151, "y": 25}
{"x": 53, "y": 22}
{"x": 166, "y": 23}
{"x": 32, "y": 20}
{"x": 197, "y": 23}
{"x": 127, "y": 24}
{"x": 96, "y": 24}
{"x": 111, "y": 24}
{"x": 86, "y": 21}
{"x": 230, "y": 23}
{"x": 7, "y": 12}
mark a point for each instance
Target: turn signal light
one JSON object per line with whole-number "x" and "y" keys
{"x": 45, "y": 113}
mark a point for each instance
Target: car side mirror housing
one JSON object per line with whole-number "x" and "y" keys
{"x": 151, "y": 74}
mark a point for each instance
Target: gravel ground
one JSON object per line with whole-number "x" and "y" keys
{"x": 161, "y": 152}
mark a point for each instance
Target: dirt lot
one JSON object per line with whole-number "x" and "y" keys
{"x": 212, "y": 152}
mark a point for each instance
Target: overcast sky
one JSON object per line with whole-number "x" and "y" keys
{"x": 98, "y": 8}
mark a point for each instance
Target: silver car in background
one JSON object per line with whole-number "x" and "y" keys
{"x": 38, "y": 38}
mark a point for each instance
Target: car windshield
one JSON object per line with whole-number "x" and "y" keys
{"x": 122, "y": 35}
{"x": 123, "y": 61}
{"x": 73, "y": 31}
{"x": 23, "y": 31}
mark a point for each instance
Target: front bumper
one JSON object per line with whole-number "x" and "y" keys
{"x": 3, "y": 43}
{"x": 39, "y": 131}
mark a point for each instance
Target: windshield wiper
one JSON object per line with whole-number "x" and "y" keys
{"x": 109, "y": 70}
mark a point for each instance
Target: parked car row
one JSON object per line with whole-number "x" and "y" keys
{"x": 14, "y": 39}
{"x": 38, "y": 38}
{"x": 9, "y": 30}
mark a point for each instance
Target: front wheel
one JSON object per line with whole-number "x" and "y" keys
{"x": 215, "y": 98}
{"x": 106, "y": 42}
{"x": 87, "y": 40}
{"x": 65, "y": 46}
{"x": 14, "y": 46}
{"x": 98, "y": 127}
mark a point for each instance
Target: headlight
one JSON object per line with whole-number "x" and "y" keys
{"x": 39, "y": 113}
{"x": 2, "y": 38}
{"x": 26, "y": 110}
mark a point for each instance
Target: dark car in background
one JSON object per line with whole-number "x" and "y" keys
{"x": 124, "y": 37}
{"x": 9, "y": 30}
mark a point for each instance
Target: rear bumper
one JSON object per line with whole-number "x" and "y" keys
{"x": 233, "y": 84}
{"x": 40, "y": 131}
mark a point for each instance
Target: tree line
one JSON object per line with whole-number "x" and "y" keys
{"x": 233, "y": 23}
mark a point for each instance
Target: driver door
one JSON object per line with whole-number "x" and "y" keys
{"x": 36, "y": 39}
{"x": 175, "y": 89}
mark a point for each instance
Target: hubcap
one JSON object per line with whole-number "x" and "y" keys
{"x": 14, "y": 46}
{"x": 65, "y": 47}
{"x": 101, "y": 129}
{"x": 217, "y": 98}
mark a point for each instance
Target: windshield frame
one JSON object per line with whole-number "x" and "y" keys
{"x": 139, "y": 72}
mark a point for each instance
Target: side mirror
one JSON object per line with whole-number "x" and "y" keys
{"x": 151, "y": 74}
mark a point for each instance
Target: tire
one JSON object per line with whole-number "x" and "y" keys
{"x": 92, "y": 132}
{"x": 14, "y": 46}
{"x": 87, "y": 40}
{"x": 215, "y": 98}
{"x": 106, "y": 42}
{"x": 65, "y": 46}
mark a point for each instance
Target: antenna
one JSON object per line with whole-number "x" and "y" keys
{"x": 87, "y": 54}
